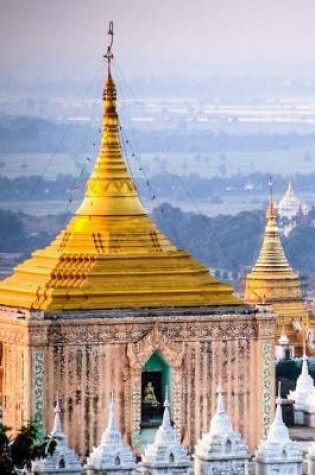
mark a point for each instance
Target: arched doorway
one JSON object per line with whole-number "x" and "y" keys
{"x": 155, "y": 380}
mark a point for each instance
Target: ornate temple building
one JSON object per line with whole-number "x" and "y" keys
{"x": 112, "y": 305}
{"x": 272, "y": 281}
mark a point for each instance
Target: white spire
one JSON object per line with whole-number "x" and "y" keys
{"x": 166, "y": 415}
{"x": 278, "y": 450}
{"x": 111, "y": 416}
{"x": 111, "y": 435}
{"x": 165, "y": 433}
{"x": 304, "y": 362}
{"x": 165, "y": 454}
{"x": 63, "y": 460}
{"x": 220, "y": 424}
{"x": 111, "y": 454}
{"x": 221, "y": 445}
{"x": 57, "y": 431}
{"x": 304, "y": 393}
{"x": 278, "y": 431}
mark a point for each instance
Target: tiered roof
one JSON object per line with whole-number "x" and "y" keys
{"x": 111, "y": 254}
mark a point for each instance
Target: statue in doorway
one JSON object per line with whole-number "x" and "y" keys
{"x": 149, "y": 395}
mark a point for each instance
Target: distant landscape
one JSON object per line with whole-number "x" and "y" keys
{"x": 227, "y": 244}
{"x": 201, "y": 159}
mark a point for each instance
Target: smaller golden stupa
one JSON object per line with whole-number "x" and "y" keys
{"x": 272, "y": 281}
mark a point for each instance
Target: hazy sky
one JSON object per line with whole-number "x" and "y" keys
{"x": 51, "y": 38}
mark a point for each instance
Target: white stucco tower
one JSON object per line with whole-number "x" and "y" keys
{"x": 221, "y": 450}
{"x": 311, "y": 459}
{"x": 165, "y": 456}
{"x": 278, "y": 453}
{"x": 64, "y": 460}
{"x": 111, "y": 456}
{"x": 304, "y": 397}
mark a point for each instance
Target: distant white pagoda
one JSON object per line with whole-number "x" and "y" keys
{"x": 289, "y": 206}
{"x": 278, "y": 453}
{"x": 111, "y": 456}
{"x": 64, "y": 461}
{"x": 291, "y": 211}
{"x": 304, "y": 397}
{"x": 166, "y": 455}
{"x": 221, "y": 450}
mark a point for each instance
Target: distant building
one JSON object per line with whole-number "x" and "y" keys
{"x": 292, "y": 212}
{"x": 272, "y": 281}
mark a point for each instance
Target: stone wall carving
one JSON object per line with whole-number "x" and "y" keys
{"x": 85, "y": 358}
{"x": 38, "y": 387}
{"x": 267, "y": 386}
{"x": 140, "y": 351}
{"x": 172, "y": 329}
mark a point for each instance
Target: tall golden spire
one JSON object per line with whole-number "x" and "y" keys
{"x": 271, "y": 256}
{"x": 111, "y": 255}
{"x": 110, "y": 190}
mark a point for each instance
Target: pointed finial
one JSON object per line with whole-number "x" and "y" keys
{"x": 220, "y": 401}
{"x": 57, "y": 427}
{"x": 111, "y": 416}
{"x": 271, "y": 213}
{"x": 304, "y": 345}
{"x": 166, "y": 415}
{"x": 279, "y": 391}
{"x": 279, "y": 402}
{"x": 166, "y": 400}
{"x": 109, "y": 55}
{"x": 270, "y": 183}
{"x": 304, "y": 359}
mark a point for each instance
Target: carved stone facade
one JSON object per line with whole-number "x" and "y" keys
{"x": 84, "y": 356}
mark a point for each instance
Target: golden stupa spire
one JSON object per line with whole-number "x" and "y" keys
{"x": 111, "y": 255}
{"x": 110, "y": 190}
{"x": 272, "y": 280}
{"x": 271, "y": 256}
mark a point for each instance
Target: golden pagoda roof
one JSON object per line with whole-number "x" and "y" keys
{"x": 111, "y": 255}
{"x": 272, "y": 278}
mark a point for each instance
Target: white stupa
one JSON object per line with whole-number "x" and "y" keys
{"x": 304, "y": 397}
{"x": 111, "y": 456}
{"x": 283, "y": 348}
{"x": 311, "y": 459}
{"x": 221, "y": 450}
{"x": 165, "y": 456}
{"x": 64, "y": 461}
{"x": 278, "y": 453}
{"x": 289, "y": 206}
